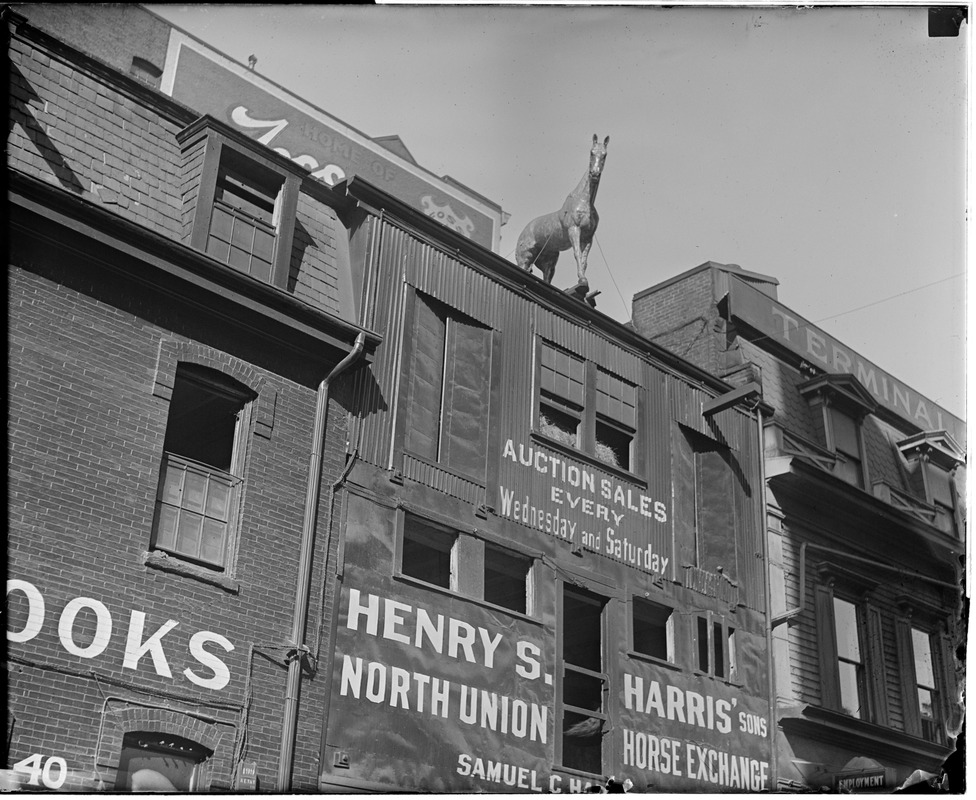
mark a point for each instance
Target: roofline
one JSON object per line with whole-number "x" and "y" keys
{"x": 525, "y": 283}
{"x": 132, "y": 240}
{"x": 731, "y": 269}
{"x": 319, "y": 109}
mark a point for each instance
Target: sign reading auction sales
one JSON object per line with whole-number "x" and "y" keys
{"x": 331, "y": 151}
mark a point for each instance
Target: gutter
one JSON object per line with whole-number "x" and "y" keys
{"x": 298, "y": 654}
{"x": 767, "y": 598}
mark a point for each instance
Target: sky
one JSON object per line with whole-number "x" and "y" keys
{"x": 825, "y": 147}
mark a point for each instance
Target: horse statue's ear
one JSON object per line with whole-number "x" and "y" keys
{"x": 594, "y": 138}
{"x": 606, "y": 141}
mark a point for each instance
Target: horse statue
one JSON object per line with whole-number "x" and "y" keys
{"x": 545, "y": 237}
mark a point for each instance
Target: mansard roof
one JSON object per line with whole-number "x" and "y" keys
{"x": 842, "y": 386}
{"x": 938, "y": 446}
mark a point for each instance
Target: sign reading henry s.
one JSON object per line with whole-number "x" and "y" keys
{"x": 427, "y": 689}
{"x": 803, "y": 338}
{"x": 331, "y": 151}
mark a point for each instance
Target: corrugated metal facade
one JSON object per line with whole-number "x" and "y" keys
{"x": 404, "y": 262}
{"x": 592, "y": 503}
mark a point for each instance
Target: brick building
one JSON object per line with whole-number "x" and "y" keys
{"x": 865, "y": 524}
{"x": 179, "y": 345}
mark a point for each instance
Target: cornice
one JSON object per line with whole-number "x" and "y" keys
{"x": 524, "y": 283}
{"x": 116, "y": 241}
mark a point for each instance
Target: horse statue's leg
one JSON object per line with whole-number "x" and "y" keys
{"x": 581, "y": 265}
{"x": 580, "y": 252}
{"x": 547, "y": 264}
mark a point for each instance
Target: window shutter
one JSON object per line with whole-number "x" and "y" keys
{"x": 426, "y": 375}
{"x": 906, "y": 661}
{"x": 876, "y": 668}
{"x": 947, "y": 676}
{"x": 716, "y": 513}
{"x": 827, "y": 645}
{"x": 466, "y": 392}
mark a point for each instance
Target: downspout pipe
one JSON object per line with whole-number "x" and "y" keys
{"x": 767, "y": 591}
{"x": 296, "y": 657}
{"x": 795, "y": 612}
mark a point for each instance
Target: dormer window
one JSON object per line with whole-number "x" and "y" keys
{"x": 844, "y": 438}
{"x": 843, "y": 403}
{"x": 934, "y": 457}
{"x": 239, "y": 201}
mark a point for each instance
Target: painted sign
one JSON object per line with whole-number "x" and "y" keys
{"x": 332, "y": 152}
{"x": 803, "y": 338}
{"x": 585, "y": 506}
{"x": 86, "y": 629}
{"x": 436, "y": 694}
{"x": 864, "y": 780}
{"x": 433, "y": 693}
{"x": 692, "y": 733}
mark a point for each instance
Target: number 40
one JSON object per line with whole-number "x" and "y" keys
{"x": 32, "y": 766}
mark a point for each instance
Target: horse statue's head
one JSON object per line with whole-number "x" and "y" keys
{"x": 598, "y": 154}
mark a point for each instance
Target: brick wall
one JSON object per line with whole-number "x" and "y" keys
{"x": 681, "y": 317}
{"x": 95, "y": 139}
{"x": 86, "y": 436}
{"x": 92, "y": 132}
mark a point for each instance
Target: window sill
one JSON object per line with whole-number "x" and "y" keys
{"x": 587, "y": 458}
{"x": 594, "y": 777}
{"x": 728, "y": 682}
{"x": 659, "y": 662}
{"x": 166, "y": 563}
{"x": 433, "y": 587}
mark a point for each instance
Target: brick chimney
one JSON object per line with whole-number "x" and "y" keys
{"x": 684, "y": 314}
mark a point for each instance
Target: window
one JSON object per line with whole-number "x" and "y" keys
{"x": 653, "y": 630}
{"x": 507, "y": 578}
{"x": 843, "y": 403}
{"x": 850, "y": 646}
{"x": 585, "y": 679}
{"x": 197, "y": 498}
{"x": 241, "y": 200}
{"x": 616, "y": 419}
{"x": 463, "y": 563}
{"x": 160, "y": 762}
{"x": 715, "y": 647}
{"x": 429, "y": 553}
{"x": 934, "y": 458}
{"x": 924, "y": 660}
{"x": 926, "y": 691}
{"x": 850, "y": 664}
{"x": 449, "y": 373}
{"x": 242, "y": 226}
{"x": 587, "y": 408}
{"x": 844, "y": 438}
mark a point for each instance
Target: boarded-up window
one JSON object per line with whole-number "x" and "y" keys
{"x": 704, "y": 476}
{"x": 449, "y": 373}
